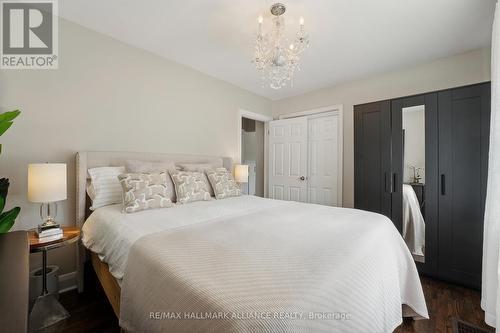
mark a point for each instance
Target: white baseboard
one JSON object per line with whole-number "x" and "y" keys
{"x": 67, "y": 282}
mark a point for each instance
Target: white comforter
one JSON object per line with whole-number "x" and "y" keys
{"x": 111, "y": 233}
{"x": 262, "y": 265}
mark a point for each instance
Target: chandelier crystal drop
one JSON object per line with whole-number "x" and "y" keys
{"x": 276, "y": 57}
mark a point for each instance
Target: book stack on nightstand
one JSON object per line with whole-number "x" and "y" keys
{"x": 49, "y": 233}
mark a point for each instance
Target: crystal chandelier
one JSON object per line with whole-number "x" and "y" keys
{"x": 275, "y": 57}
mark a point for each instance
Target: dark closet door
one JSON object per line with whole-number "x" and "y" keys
{"x": 372, "y": 157}
{"x": 464, "y": 115}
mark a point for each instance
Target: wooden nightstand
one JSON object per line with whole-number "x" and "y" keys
{"x": 70, "y": 235}
{"x": 47, "y": 309}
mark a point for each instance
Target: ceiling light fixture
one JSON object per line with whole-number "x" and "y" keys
{"x": 275, "y": 57}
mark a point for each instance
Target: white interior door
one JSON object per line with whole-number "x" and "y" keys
{"x": 324, "y": 160}
{"x": 288, "y": 159}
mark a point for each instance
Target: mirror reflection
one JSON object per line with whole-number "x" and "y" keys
{"x": 414, "y": 180}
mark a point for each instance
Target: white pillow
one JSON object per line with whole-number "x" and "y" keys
{"x": 105, "y": 188}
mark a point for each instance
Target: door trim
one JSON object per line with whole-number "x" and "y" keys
{"x": 324, "y": 109}
{"x": 242, "y": 113}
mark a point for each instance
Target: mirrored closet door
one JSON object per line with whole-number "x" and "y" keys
{"x": 414, "y": 169}
{"x": 413, "y": 189}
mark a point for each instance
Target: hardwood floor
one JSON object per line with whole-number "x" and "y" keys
{"x": 445, "y": 301}
{"x": 91, "y": 312}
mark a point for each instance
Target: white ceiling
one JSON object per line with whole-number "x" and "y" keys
{"x": 349, "y": 38}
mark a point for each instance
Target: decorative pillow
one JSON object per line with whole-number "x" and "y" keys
{"x": 136, "y": 166}
{"x": 190, "y": 186}
{"x": 104, "y": 188}
{"x": 223, "y": 183}
{"x": 143, "y": 191}
{"x": 200, "y": 167}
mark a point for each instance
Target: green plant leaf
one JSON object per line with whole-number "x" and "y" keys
{"x": 4, "y": 126}
{"x": 2, "y": 204}
{"x": 4, "y": 188}
{"x": 7, "y": 219}
{"x": 9, "y": 116}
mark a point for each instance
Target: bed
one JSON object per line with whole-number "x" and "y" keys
{"x": 247, "y": 264}
{"x": 413, "y": 224}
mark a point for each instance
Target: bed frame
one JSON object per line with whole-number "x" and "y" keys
{"x": 108, "y": 282}
{"x": 86, "y": 160}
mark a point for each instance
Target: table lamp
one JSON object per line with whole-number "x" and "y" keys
{"x": 241, "y": 173}
{"x": 47, "y": 185}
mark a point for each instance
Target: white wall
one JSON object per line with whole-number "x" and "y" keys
{"x": 107, "y": 95}
{"x": 248, "y": 146}
{"x": 467, "y": 68}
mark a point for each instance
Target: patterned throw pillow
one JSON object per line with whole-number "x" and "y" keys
{"x": 137, "y": 166}
{"x": 143, "y": 191}
{"x": 200, "y": 167}
{"x": 223, "y": 183}
{"x": 190, "y": 186}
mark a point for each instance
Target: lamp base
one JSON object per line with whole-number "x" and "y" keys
{"x": 48, "y": 213}
{"x": 46, "y": 311}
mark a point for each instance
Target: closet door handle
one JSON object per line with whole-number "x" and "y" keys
{"x": 394, "y": 182}
{"x": 443, "y": 184}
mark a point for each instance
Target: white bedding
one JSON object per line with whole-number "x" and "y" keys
{"x": 111, "y": 233}
{"x": 249, "y": 254}
{"x": 413, "y": 224}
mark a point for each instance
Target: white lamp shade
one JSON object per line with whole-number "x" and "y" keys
{"x": 47, "y": 182}
{"x": 241, "y": 173}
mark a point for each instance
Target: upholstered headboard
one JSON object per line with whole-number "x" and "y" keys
{"x": 87, "y": 160}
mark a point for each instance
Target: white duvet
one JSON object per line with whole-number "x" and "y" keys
{"x": 110, "y": 233}
{"x": 269, "y": 266}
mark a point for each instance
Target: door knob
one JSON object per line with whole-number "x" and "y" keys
{"x": 302, "y": 178}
